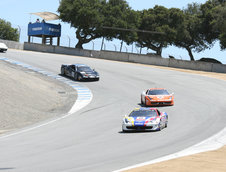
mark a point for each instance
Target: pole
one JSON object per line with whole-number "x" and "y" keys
{"x": 102, "y": 44}
{"x": 69, "y": 41}
{"x": 19, "y": 32}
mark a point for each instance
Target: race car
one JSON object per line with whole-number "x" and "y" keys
{"x": 156, "y": 97}
{"x": 79, "y": 72}
{"x": 145, "y": 119}
{"x": 3, "y": 47}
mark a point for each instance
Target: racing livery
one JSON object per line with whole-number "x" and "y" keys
{"x": 157, "y": 96}
{"x": 79, "y": 72}
{"x": 145, "y": 119}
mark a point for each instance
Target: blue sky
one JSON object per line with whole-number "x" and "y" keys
{"x": 17, "y": 12}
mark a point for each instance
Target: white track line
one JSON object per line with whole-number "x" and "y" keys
{"x": 215, "y": 142}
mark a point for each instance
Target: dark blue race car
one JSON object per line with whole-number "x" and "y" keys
{"x": 79, "y": 72}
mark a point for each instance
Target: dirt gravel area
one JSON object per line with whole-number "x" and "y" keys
{"x": 28, "y": 97}
{"x": 212, "y": 161}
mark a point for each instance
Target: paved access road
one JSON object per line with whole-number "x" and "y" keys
{"x": 91, "y": 139}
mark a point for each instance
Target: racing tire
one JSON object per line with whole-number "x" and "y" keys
{"x": 79, "y": 77}
{"x": 166, "y": 125}
{"x": 125, "y": 131}
{"x": 160, "y": 128}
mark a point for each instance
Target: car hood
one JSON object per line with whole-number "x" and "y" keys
{"x": 2, "y": 45}
{"x": 91, "y": 72}
{"x": 141, "y": 120}
{"x": 159, "y": 97}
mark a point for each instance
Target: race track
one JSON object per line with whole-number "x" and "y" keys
{"x": 91, "y": 139}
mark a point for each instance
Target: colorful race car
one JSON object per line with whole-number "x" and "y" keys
{"x": 79, "y": 72}
{"x": 156, "y": 97}
{"x": 145, "y": 119}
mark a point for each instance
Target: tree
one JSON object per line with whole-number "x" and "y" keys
{"x": 156, "y": 19}
{"x": 219, "y": 24}
{"x": 208, "y": 30}
{"x": 85, "y": 16}
{"x": 119, "y": 15}
{"x": 191, "y": 34}
{"x": 7, "y": 32}
{"x": 89, "y": 17}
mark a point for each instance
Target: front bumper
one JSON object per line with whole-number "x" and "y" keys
{"x": 91, "y": 77}
{"x": 159, "y": 103}
{"x": 3, "y": 49}
{"x": 147, "y": 127}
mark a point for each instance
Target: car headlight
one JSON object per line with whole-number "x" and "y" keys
{"x": 150, "y": 98}
{"x": 155, "y": 121}
{"x": 151, "y": 122}
{"x": 127, "y": 121}
{"x": 83, "y": 73}
{"x": 170, "y": 98}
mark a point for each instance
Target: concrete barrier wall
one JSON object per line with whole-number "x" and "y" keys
{"x": 56, "y": 49}
{"x": 39, "y": 47}
{"x": 13, "y": 44}
{"x": 129, "y": 57}
{"x": 147, "y": 59}
{"x": 193, "y": 65}
{"x": 117, "y": 56}
{"x": 220, "y": 68}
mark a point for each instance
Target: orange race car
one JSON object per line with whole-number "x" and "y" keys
{"x": 156, "y": 97}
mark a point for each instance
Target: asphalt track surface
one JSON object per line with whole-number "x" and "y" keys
{"x": 91, "y": 139}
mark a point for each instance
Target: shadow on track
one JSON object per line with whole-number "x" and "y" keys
{"x": 72, "y": 79}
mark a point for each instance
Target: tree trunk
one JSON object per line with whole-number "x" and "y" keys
{"x": 190, "y": 54}
{"x": 159, "y": 51}
{"x": 102, "y": 44}
{"x": 80, "y": 41}
{"x": 79, "y": 44}
{"x": 121, "y": 46}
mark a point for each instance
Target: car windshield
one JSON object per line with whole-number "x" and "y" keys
{"x": 143, "y": 113}
{"x": 84, "y": 69}
{"x": 158, "y": 92}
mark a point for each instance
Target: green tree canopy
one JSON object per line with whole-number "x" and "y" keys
{"x": 189, "y": 31}
{"x": 195, "y": 28}
{"x": 118, "y": 14}
{"x": 7, "y": 32}
{"x": 85, "y": 16}
{"x": 158, "y": 19}
{"x": 219, "y": 23}
{"x": 89, "y": 17}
